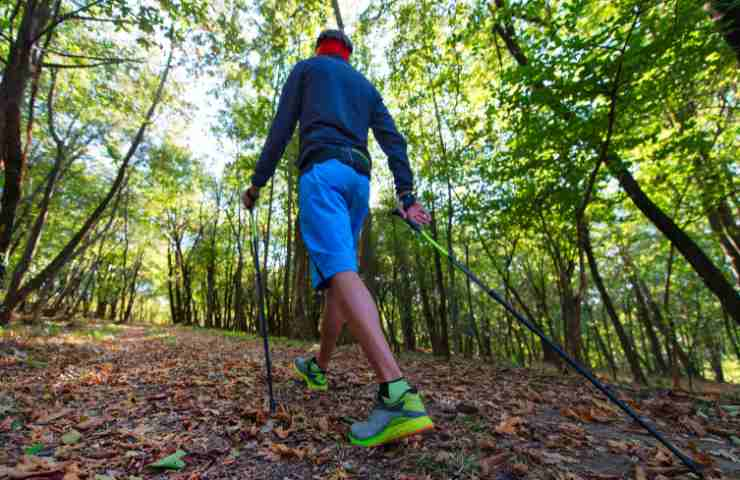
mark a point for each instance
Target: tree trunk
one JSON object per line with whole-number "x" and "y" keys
{"x": 288, "y": 258}
{"x": 132, "y": 291}
{"x": 605, "y": 350}
{"x": 304, "y": 327}
{"x": 444, "y": 341}
{"x": 471, "y": 309}
{"x": 702, "y": 265}
{"x": 729, "y": 248}
{"x": 15, "y": 77}
{"x": 646, "y": 320}
{"x": 626, "y": 341}
{"x": 731, "y": 334}
{"x": 426, "y": 305}
{"x": 43, "y": 209}
{"x": 266, "y": 249}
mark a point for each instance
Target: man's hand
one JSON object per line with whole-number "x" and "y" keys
{"x": 416, "y": 213}
{"x": 250, "y": 196}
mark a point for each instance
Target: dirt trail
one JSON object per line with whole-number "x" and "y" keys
{"x": 107, "y": 402}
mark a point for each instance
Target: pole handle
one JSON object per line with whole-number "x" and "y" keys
{"x": 415, "y": 226}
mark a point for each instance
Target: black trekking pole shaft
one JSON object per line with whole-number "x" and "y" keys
{"x": 570, "y": 361}
{"x": 261, "y": 311}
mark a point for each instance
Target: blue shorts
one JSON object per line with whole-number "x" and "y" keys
{"x": 333, "y": 200}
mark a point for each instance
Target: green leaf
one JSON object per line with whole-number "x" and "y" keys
{"x": 33, "y": 449}
{"x": 71, "y": 437}
{"x": 172, "y": 462}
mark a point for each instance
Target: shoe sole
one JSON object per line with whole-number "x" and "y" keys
{"x": 396, "y": 432}
{"x": 309, "y": 384}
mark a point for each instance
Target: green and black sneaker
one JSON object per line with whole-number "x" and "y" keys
{"x": 311, "y": 373}
{"x": 391, "y": 422}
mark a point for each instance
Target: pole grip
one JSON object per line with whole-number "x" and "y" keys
{"x": 415, "y": 226}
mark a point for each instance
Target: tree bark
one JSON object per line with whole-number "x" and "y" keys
{"x": 15, "y": 77}
{"x": 288, "y": 257}
{"x": 646, "y": 320}
{"x": 627, "y": 344}
{"x": 444, "y": 340}
{"x": 729, "y": 248}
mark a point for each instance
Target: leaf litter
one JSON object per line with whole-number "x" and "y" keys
{"x": 141, "y": 405}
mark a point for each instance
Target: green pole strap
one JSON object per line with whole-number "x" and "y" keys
{"x": 433, "y": 243}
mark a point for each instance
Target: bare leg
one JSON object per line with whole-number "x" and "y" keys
{"x": 331, "y": 328}
{"x": 361, "y": 314}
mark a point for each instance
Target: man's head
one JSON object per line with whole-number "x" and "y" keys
{"x": 334, "y": 42}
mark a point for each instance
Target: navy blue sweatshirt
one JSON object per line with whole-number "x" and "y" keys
{"x": 336, "y": 106}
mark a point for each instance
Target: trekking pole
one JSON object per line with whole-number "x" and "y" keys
{"x": 261, "y": 310}
{"x": 693, "y": 466}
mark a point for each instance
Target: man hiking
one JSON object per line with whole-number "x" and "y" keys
{"x": 336, "y": 106}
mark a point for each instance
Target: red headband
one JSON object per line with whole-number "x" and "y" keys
{"x": 332, "y": 46}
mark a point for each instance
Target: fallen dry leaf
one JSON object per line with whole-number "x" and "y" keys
{"x": 286, "y": 451}
{"x": 47, "y": 417}
{"x": 693, "y": 426}
{"x": 520, "y": 469}
{"x": 323, "y": 424}
{"x": 71, "y": 472}
{"x": 662, "y": 457}
{"x": 617, "y": 447}
{"x": 91, "y": 423}
{"x": 489, "y": 464}
{"x": 487, "y": 444}
{"x": 509, "y": 425}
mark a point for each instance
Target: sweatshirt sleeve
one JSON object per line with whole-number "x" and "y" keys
{"x": 393, "y": 145}
{"x": 283, "y": 125}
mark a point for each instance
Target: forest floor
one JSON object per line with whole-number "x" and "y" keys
{"x": 105, "y": 402}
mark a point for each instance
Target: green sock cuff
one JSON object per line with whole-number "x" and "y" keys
{"x": 313, "y": 365}
{"x": 395, "y": 390}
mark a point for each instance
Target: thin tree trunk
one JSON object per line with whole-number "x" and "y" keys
{"x": 132, "y": 291}
{"x": 444, "y": 340}
{"x": 471, "y": 309}
{"x": 288, "y": 258}
{"x": 644, "y": 317}
{"x": 266, "y": 249}
{"x": 627, "y": 344}
{"x": 726, "y": 244}
{"x": 731, "y": 334}
{"x": 426, "y": 305}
